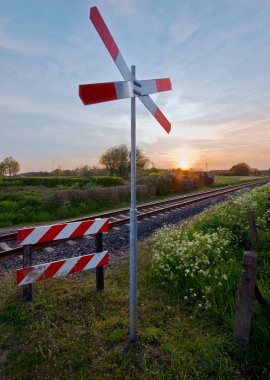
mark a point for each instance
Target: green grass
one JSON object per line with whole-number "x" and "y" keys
{"x": 35, "y": 204}
{"x": 71, "y": 332}
{"x": 61, "y": 181}
{"x": 221, "y": 180}
{"x": 23, "y": 205}
{"x": 200, "y": 263}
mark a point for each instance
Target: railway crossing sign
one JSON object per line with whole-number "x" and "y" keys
{"x": 129, "y": 88}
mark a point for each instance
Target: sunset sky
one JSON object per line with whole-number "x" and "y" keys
{"x": 216, "y": 52}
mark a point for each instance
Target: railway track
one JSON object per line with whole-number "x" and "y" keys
{"x": 120, "y": 217}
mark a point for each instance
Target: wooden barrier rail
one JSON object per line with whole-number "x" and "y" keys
{"x": 29, "y": 274}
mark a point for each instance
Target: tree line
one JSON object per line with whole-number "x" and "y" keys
{"x": 241, "y": 169}
{"x": 116, "y": 161}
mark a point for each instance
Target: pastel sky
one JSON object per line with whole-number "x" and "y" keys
{"x": 216, "y": 52}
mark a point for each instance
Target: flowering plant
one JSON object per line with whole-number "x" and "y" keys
{"x": 200, "y": 259}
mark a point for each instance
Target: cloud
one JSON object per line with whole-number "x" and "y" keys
{"x": 183, "y": 26}
{"x": 215, "y": 54}
{"x": 249, "y": 125}
{"x": 126, "y": 6}
{"x": 20, "y": 45}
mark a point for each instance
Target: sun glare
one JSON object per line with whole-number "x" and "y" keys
{"x": 183, "y": 164}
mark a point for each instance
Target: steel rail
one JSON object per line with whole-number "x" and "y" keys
{"x": 174, "y": 203}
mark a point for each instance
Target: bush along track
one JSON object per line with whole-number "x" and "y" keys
{"x": 200, "y": 263}
{"x": 188, "y": 278}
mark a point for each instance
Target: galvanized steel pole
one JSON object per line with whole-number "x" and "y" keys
{"x": 133, "y": 225}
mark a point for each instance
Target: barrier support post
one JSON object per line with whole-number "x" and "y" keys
{"x": 99, "y": 270}
{"x": 27, "y": 261}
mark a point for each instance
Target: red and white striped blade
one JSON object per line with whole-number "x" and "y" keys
{"x": 151, "y": 86}
{"x": 109, "y": 42}
{"x": 105, "y": 92}
{"x": 156, "y": 112}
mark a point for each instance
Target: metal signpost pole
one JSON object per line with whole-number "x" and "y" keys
{"x": 133, "y": 225}
{"x": 129, "y": 88}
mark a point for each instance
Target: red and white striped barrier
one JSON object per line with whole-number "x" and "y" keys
{"x": 60, "y": 268}
{"x": 35, "y": 235}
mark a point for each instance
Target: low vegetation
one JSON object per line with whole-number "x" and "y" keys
{"x": 200, "y": 262}
{"x": 187, "y": 278}
{"x": 222, "y": 180}
{"x": 24, "y": 205}
{"x": 25, "y": 200}
{"x": 57, "y": 182}
{"x": 71, "y": 332}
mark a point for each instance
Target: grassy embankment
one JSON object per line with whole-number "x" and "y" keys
{"x": 222, "y": 180}
{"x": 35, "y": 200}
{"x": 188, "y": 279}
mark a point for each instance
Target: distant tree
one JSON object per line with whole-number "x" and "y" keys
{"x": 11, "y": 166}
{"x": 254, "y": 171}
{"x": 59, "y": 171}
{"x": 2, "y": 168}
{"x": 240, "y": 169}
{"x": 117, "y": 160}
{"x": 67, "y": 172}
{"x": 142, "y": 161}
{"x": 84, "y": 170}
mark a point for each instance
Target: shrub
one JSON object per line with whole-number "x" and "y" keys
{"x": 94, "y": 199}
{"x": 175, "y": 183}
{"x": 163, "y": 185}
{"x": 53, "y": 182}
{"x": 108, "y": 181}
{"x": 42, "y": 181}
{"x": 192, "y": 264}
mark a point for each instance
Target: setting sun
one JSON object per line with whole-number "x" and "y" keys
{"x": 183, "y": 164}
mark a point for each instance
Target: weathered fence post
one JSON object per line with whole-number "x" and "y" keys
{"x": 253, "y": 231}
{"x": 99, "y": 270}
{"x": 246, "y": 293}
{"x": 255, "y": 243}
{"x": 268, "y": 214}
{"x": 27, "y": 261}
